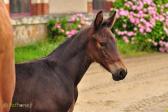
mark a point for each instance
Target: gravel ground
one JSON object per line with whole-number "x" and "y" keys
{"x": 145, "y": 88}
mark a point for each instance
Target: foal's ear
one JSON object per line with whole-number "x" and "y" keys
{"x": 98, "y": 20}
{"x": 111, "y": 20}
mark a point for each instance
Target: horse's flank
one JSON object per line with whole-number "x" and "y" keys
{"x": 7, "y": 72}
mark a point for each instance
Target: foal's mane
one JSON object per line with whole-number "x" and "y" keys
{"x": 62, "y": 46}
{"x": 71, "y": 46}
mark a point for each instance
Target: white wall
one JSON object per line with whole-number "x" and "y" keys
{"x": 39, "y": 1}
{"x": 67, "y": 6}
{"x": 6, "y": 1}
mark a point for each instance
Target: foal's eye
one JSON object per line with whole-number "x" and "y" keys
{"x": 103, "y": 44}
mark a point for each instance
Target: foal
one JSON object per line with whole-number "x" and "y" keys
{"x": 7, "y": 70}
{"x": 50, "y": 84}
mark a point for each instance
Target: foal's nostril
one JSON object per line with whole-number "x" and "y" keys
{"x": 123, "y": 73}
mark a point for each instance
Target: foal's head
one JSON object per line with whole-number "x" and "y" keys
{"x": 102, "y": 47}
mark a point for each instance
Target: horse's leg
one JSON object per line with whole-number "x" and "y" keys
{"x": 7, "y": 72}
{"x": 76, "y": 94}
{"x": 74, "y": 101}
{"x": 72, "y": 107}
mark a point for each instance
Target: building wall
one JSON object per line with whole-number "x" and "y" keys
{"x": 67, "y": 6}
{"x": 38, "y": 7}
{"x": 108, "y": 4}
{"x": 31, "y": 29}
{"x": 42, "y": 7}
{"x": 90, "y": 5}
{"x": 71, "y": 6}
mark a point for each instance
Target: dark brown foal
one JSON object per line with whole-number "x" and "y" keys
{"x": 50, "y": 84}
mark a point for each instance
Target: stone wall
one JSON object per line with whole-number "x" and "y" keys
{"x": 32, "y": 29}
{"x": 29, "y": 29}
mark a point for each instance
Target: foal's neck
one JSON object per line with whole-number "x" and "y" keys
{"x": 76, "y": 57}
{"x": 72, "y": 55}
{"x": 77, "y": 66}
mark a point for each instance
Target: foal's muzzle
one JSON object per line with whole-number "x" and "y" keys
{"x": 119, "y": 75}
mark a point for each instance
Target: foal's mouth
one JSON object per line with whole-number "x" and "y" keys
{"x": 117, "y": 74}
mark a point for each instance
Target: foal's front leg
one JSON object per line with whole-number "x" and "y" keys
{"x": 74, "y": 101}
{"x": 72, "y": 107}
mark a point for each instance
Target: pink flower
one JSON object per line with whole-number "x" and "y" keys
{"x": 152, "y": 10}
{"x": 148, "y": 24}
{"x": 162, "y": 50}
{"x": 148, "y": 29}
{"x": 140, "y": 14}
{"x": 161, "y": 18}
{"x": 155, "y": 44}
{"x": 166, "y": 22}
{"x": 166, "y": 45}
{"x": 121, "y": 33}
{"x": 71, "y": 33}
{"x": 147, "y": 2}
{"x": 143, "y": 16}
{"x": 134, "y": 7}
{"x": 155, "y": 17}
{"x": 72, "y": 19}
{"x": 140, "y": 5}
{"x": 126, "y": 40}
{"x": 152, "y": 22}
{"x": 142, "y": 30}
{"x": 57, "y": 25}
{"x": 79, "y": 26}
{"x": 130, "y": 34}
{"x": 145, "y": 10}
{"x": 137, "y": 21}
{"x": 161, "y": 43}
{"x": 131, "y": 13}
{"x": 166, "y": 5}
{"x": 129, "y": 4}
{"x": 80, "y": 15}
{"x": 123, "y": 12}
{"x": 143, "y": 20}
{"x": 132, "y": 20}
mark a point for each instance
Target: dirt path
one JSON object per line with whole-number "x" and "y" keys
{"x": 145, "y": 89}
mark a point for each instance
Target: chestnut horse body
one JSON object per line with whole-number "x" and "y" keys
{"x": 50, "y": 84}
{"x": 7, "y": 71}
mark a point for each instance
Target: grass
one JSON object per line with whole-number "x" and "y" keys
{"x": 129, "y": 50}
{"x": 36, "y": 50}
{"x": 43, "y": 48}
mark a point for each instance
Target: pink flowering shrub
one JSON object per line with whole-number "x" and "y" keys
{"x": 66, "y": 27}
{"x": 142, "y": 22}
